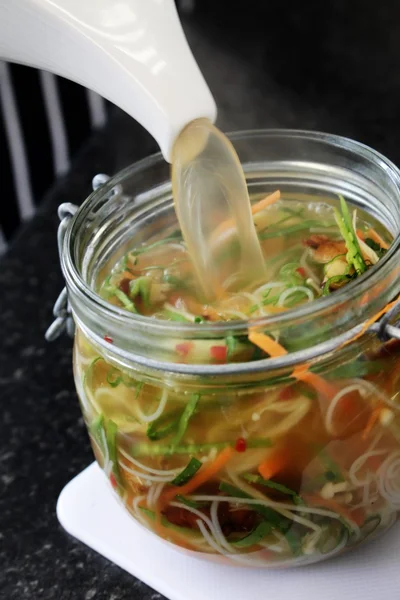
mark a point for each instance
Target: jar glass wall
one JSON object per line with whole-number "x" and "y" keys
{"x": 278, "y": 461}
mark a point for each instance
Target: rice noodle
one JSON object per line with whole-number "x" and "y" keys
{"x": 147, "y": 469}
{"x": 108, "y": 393}
{"x": 213, "y": 524}
{"x": 369, "y": 496}
{"x": 250, "y": 461}
{"x": 309, "y": 272}
{"x": 108, "y": 465}
{"x": 297, "y": 288}
{"x": 312, "y": 284}
{"x": 359, "y": 463}
{"x": 81, "y": 360}
{"x": 294, "y": 417}
{"x": 150, "y": 493}
{"x": 267, "y": 286}
{"x": 272, "y": 547}
{"x": 245, "y": 487}
{"x": 253, "y": 559}
{"x": 263, "y": 310}
{"x": 280, "y": 537}
{"x": 209, "y": 538}
{"x": 217, "y": 528}
{"x": 335, "y": 400}
{"x": 236, "y": 313}
{"x": 137, "y": 512}
{"x": 93, "y": 398}
{"x": 231, "y": 280}
{"x": 240, "y": 558}
{"x": 278, "y": 506}
{"x": 310, "y": 541}
{"x": 144, "y": 475}
{"x": 295, "y": 410}
{"x": 283, "y": 509}
{"x": 154, "y": 494}
{"x": 194, "y": 511}
{"x": 389, "y": 479}
{"x": 170, "y": 246}
{"x": 374, "y": 391}
{"x": 251, "y": 297}
{"x": 179, "y": 311}
{"x": 157, "y": 413}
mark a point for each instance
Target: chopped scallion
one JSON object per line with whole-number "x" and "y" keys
{"x": 188, "y": 472}
{"x": 151, "y": 449}
{"x": 185, "y": 418}
{"x": 257, "y": 479}
{"x": 255, "y": 536}
{"x": 163, "y": 426}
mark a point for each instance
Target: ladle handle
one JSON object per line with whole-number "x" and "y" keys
{"x": 132, "y": 52}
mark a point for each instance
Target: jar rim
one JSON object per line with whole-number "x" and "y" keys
{"x": 316, "y": 308}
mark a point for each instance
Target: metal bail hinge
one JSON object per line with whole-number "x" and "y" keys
{"x": 63, "y": 321}
{"x": 62, "y": 308}
{"x": 383, "y": 329}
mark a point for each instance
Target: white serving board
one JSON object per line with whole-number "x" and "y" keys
{"x": 87, "y": 510}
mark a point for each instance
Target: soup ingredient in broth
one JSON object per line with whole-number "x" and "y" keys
{"x": 284, "y": 473}
{"x": 213, "y": 209}
{"x": 280, "y": 475}
{"x": 309, "y": 250}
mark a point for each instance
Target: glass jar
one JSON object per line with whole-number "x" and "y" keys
{"x": 182, "y": 444}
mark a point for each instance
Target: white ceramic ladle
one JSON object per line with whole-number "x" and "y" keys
{"x": 132, "y": 52}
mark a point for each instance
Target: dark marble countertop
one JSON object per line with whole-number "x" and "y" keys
{"x": 43, "y": 443}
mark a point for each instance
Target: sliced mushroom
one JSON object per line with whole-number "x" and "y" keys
{"x": 323, "y": 249}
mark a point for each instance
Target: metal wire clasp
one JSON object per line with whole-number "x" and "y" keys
{"x": 62, "y": 310}
{"x": 383, "y": 329}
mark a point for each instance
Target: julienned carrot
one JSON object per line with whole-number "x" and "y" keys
{"x": 205, "y": 474}
{"x": 318, "y": 383}
{"x": 257, "y": 207}
{"x": 371, "y": 233}
{"x": 274, "y": 463}
{"x": 355, "y": 516}
{"x": 266, "y": 343}
{"x": 265, "y": 202}
{"x": 274, "y": 349}
{"x": 371, "y": 321}
{"x": 371, "y": 421}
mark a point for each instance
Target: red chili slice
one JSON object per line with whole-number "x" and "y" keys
{"x": 219, "y": 353}
{"x": 240, "y": 445}
{"x": 301, "y": 272}
{"x": 184, "y": 348}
